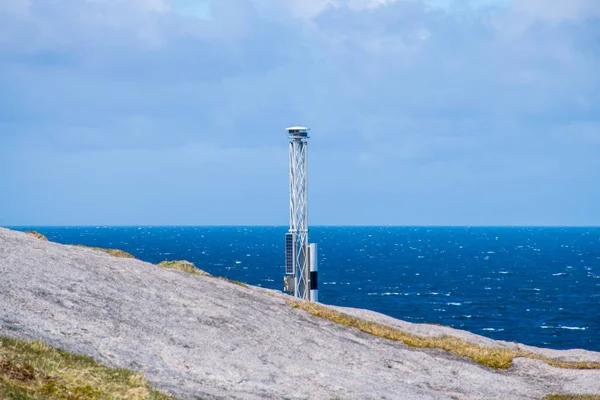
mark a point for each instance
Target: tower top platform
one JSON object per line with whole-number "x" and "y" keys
{"x": 298, "y": 128}
{"x": 298, "y": 131}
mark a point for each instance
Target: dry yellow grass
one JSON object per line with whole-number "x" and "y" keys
{"x": 115, "y": 252}
{"x": 35, "y": 371}
{"x": 37, "y": 235}
{"x": 183, "y": 266}
{"x": 112, "y": 252}
{"x": 188, "y": 267}
{"x": 492, "y": 357}
{"x": 242, "y": 284}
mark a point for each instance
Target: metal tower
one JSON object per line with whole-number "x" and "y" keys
{"x": 301, "y": 258}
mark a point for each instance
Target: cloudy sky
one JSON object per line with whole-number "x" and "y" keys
{"x": 423, "y": 112}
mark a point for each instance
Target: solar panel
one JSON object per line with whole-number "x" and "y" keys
{"x": 290, "y": 253}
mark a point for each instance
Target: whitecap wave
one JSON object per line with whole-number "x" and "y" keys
{"x": 572, "y": 328}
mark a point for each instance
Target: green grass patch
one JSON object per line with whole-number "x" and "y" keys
{"x": 497, "y": 358}
{"x": 35, "y": 371}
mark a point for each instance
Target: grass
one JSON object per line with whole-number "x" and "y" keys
{"x": 242, "y": 284}
{"x": 572, "y": 397}
{"x": 112, "y": 252}
{"x": 188, "y": 267}
{"x": 37, "y": 235}
{"x": 496, "y": 358}
{"x": 35, "y": 371}
{"x": 183, "y": 266}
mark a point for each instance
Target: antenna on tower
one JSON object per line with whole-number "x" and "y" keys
{"x": 300, "y": 258}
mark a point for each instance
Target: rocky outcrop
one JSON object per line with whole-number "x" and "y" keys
{"x": 200, "y": 337}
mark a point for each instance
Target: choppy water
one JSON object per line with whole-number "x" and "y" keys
{"x": 539, "y": 286}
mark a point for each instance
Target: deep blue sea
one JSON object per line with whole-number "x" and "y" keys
{"x": 539, "y": 286}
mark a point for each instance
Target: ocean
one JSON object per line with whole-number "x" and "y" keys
{"x": 538, "y": 286}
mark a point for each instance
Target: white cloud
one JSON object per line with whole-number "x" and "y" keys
{"x": 421, "y": 92}
{"x": 368, "y": 62}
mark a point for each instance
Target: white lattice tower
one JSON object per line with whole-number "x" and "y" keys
{"x": 297, "y": 263}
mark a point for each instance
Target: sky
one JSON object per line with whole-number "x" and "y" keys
{"x": 422, "y": 112}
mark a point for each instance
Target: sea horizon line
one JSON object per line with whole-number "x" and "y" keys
{"x": 99, "y": 226}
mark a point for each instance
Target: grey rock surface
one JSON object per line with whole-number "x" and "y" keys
{"x": 202, "y": 338}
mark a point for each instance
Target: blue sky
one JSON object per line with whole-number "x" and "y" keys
{"x": 423, "y": 112}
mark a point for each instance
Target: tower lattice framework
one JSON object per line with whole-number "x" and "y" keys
{"x": 299, "y": 212}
